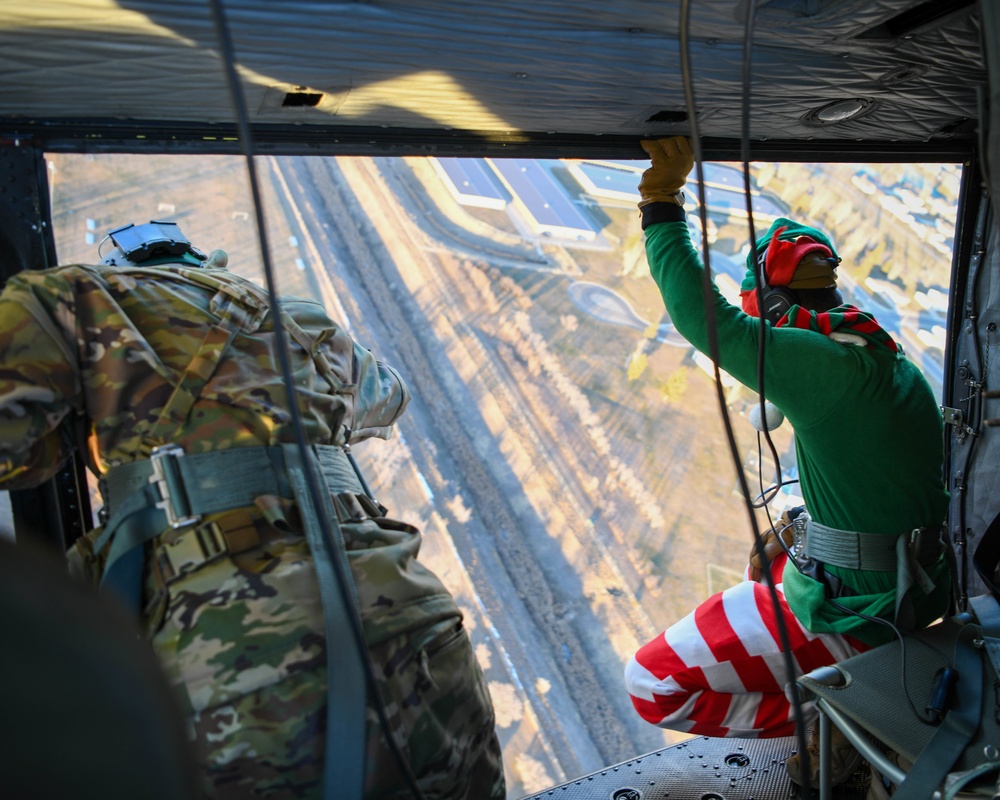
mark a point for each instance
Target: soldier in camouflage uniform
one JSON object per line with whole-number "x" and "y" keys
{"x": 120, "y": 360}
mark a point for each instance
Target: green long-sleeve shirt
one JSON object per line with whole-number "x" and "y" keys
{"x": 868, "y": 432}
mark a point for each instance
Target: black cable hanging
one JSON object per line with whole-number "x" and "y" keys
{"x": 766, "y": 495}
{"x": 344, "y": 581}
{"x": 713, "y": 342}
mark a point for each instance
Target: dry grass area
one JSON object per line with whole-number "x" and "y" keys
{"x": 646, "y": 446}
{"x": 207, "y": 196}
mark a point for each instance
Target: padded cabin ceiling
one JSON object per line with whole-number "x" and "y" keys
{"x": 568, "y": 67}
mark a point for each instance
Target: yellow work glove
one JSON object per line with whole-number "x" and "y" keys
{"x": 772, "y": 547}
{"x": 672, "y": 162}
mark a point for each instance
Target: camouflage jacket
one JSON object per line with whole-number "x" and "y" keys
{"x": 94, "y": 355}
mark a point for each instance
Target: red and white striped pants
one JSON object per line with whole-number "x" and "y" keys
{"x": 720, "y": 671}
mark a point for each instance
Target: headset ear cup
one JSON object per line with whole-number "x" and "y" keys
{"x": 777, "y": 301}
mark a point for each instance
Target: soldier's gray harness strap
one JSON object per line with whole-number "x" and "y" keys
{"x": 172, "y": 489}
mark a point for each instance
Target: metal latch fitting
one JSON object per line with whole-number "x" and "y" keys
{"x": 952, "y": 416}
{"x": 167, "y": 478}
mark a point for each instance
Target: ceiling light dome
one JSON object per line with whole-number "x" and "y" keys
{"x": 839, "y": 111}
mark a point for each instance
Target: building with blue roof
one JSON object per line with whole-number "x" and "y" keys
{"x": 542, "y": 200}
{"x": 472, "y": 182}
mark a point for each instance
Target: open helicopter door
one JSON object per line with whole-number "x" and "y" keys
{"x": 737, "y": 769}
{"x": 734, "y": 769}
{"x": 931, "y": 697}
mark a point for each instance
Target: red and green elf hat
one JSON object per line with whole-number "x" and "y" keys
{"x": 781, "y": 249}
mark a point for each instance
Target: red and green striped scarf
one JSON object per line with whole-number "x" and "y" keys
{"x": 845, "y": 319}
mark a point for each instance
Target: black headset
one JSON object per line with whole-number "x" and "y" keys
{"x": 776, "y": 300}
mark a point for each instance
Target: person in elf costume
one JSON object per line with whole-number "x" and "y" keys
{"x": 869, "y": 446}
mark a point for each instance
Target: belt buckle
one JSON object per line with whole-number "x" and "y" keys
{"x": 163, "y": 461}
{"x": 191, "y": 551}
{"x": 800, "y": 529}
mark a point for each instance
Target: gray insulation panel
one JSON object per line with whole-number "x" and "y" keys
{"x": 581, "y": 67}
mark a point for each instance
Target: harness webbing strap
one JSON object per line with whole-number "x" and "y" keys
{"x": 957, "y": 728}
{"x": 137, "y": 521}
{"x": 192, "y": 381}
{"x": 194, "y": 485}
{"x": 345, "y": 677}
{"x": 869, "y": 551}
{"x": 905, "y": 554}
{"x": 215, "y": 481}
{"x": 199, "y": 484}
{"x": 987, "y": 611}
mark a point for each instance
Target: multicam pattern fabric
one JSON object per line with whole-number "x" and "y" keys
{"x": 94, "y": 353}
{"x": 108, "y": 344}
{"x": 257, "y": 705}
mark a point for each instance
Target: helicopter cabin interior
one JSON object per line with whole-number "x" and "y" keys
{"x": 457, "y": 181}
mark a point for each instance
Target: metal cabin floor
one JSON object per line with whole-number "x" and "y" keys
{"x": 701, "y": 769}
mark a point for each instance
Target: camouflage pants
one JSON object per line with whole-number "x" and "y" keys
{"x": 241, "y": 638}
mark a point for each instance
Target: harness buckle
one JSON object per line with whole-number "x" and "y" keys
{"x": 167, "y": 478}
{"x": 190, "y": 551}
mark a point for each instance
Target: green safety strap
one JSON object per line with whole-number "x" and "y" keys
{"x": 345, "y": 676}
{"x": 909, "y": 573}
{"x": 187, "y": 487}
{"x": 851, "y": 549}
{"x": 135, "y": 523}
{"x": 958, "y": 726}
